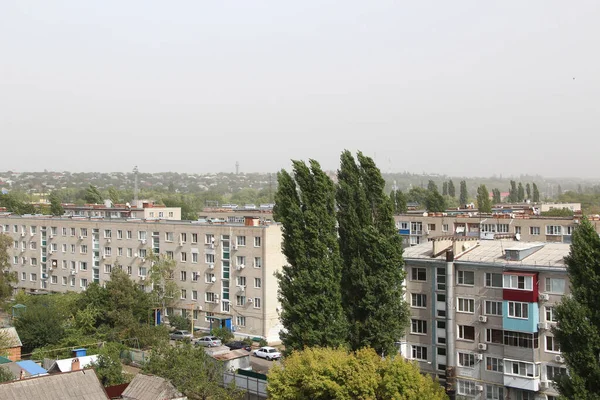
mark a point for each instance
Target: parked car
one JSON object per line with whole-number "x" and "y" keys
{"x": 209, "y": 341}
{"x": 181, "y": 335}
{"x": 238, "y": 345}
{"x": 269, "y": 353}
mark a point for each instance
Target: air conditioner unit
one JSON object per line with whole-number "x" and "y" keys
{"x": 543, "y": 326}
{"x": 483, "y": 318}
{"x": 73, "y": 272}
{"x": 544, "y": 385}
{"x": 211, "y": 266}
{"x": 142, "y": 278}
{"x": 479, "y": 357}
{"x": 250, "y": 300}
{"x": 143, "y": 241}
{"x": 22, "y": 234}
{"x": 104, "y": 257}
{"x": 481, "y": 346}
{"x": 143, "y": 260}
{"x": 44, "y": 276}
{"x": 213, "y": 279}
{"x": 241, "y": 288}
{"x": 181, "y": 243}
{"x": 479, "y": 388}
{"x": 216, "y": 296}
{"x": 135, "y": 255}
{"x": 50, "y": 251}
{"x": 544, "y": 297}
{"x": 108, "y": 240}
{"x": 241, "y": 266}
{"x": 234, "y": 246}
{"x": 80, "y": 237}
{"x": 51, "y": 236}
{"x": 559, "y": 359}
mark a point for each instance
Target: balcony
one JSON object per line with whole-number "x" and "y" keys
{"x": 522, "y": 382}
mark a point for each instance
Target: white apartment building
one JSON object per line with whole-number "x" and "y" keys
{"x": 482, "y": 312}
{"x": 225, "y": 271}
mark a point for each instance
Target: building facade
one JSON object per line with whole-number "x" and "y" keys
{"x": 482, "y": 313}
{"x": 224, "y": 272}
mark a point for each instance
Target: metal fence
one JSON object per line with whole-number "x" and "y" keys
{"x": 253, "y": 383}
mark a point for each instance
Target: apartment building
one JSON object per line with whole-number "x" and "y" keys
{"x": 146, "y": 210}
{"x": 224, "y": 270}
{"x": 481, "y": 314}
{"x": 418, "y": 228}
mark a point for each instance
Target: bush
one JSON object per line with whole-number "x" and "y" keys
{"x": 248, "y": 341}
{"x": 263, "y": 343}
{"x": 222, "y": 333}
{"x": 180, "y": 322}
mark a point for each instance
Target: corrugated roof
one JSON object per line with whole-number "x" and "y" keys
{"x": 492, "y": 251}
{"x": 66, "y": 364}
{"x": 32, "y": 368}
{"x": 150, "y": 387}
{"x": 12, "y": 335}
{"x": 77, "y": 385}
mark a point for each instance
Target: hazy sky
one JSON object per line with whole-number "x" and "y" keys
{"x": 455, "y": 87}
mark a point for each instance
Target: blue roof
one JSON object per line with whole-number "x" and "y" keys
{"x": 32, "y": 368}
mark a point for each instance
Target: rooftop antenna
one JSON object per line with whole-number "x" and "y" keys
{"x": 135, "y": 186}
{"x": 237, "y": 167}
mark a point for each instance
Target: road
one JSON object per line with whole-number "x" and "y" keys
{"x": 261, "y": 365}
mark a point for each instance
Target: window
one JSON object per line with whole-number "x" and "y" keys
{"x": 519, "y": 368}
{"x": 195, "y": 258}
{"x": 83, "y": 249}
{"x": 129, "y": 270}
{"x": 64, "y": 264}
{"x": 466, "y": 278}
{"x": 441, "y": 278}
{"x": 466, "y": 305}
{"x": 518, "y": 282}
{"x": 142, "y": 271}
{"x": 466, "y": 388}
{"x": 240, "y": 260}
{"x": 209, "y": 297}
{"x": 129, "y": 235}
{"x": 444, "y": 227}
{"x": 83, "y": 232}
{"x": 107, "y": 233}
{"x": 257, "y": 241}
{"x": 209, "y": 277}
{"x": 553, "y": 230}
{"x": 552, "y": 345}
{"x": 210, "y": 258}
{"x": 64, "y": 280}
{"x": 107, "y": 268}
{"x": 240, "y": 321}
{"x": 493, "y": 280}
{"x": 488, "y": 228}
{"x": 15, "y": 259}
{"x": 466, "y": 360}
{"x": 431, "y": 227}
{"x": 194, "y": 238}
{"x": 119, "y": 234}
{"x": 83, "y": 283}
{"x": 534, "y": 230}
{"x": 517, "y": 230}
{"x": 551, "y": 315}
{"x": 183, "y": 294}
{"x": 241, "y": 281}
{"x": 257, "y": 262}
{"x": 33, "y": 277}
{"x": 418, "y": 300}
{"x": 183, "y": 256}
{"x": 130, "y": 252}
{"x": 494, "y": 364}
{"x": 168, "y": 236}
{"x": 120, "y": 251}
{"x": 23, "y": 276}
{"x": 183, "y": 237}
{"x": 553, "y": 372}
{"x": 183, "y": 276}
{"x": 73, "y": 230}
{"x": 466, "y": 332}
{"x": 240, "y": 300}
{"x": 418, "y": 326}
{"x": 33, "y": 245}
{"x": 107, "y": 251}
{"x": 419, "y": 274}
{"x": 82, "y": 266}
{"x": 555, "y": 285}
{"x": 195, "y": 297}
{"x": 520, "y": 339}
{"x": 73, "y": 265}
{"x": 257, "y": 302}
{"x": 419, "y": 353}
{"x": 257, "y": 283}
{"x": 503, "y": 228}
{"x": 493, "y": 307}
{"x": 241, "y": 240}
{"x": 171, "y": 214}
{"x": 142, "y": 235}
{"x": 33, "y": 261}
{"x": 494, "y": 392}
{"x": 518, "y": 310}
{"x": 209, "y": 238}
{"x": 73, "y": 249}
{"x": 72, "y": 282}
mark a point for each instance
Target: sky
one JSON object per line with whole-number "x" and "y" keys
{"x": 463, "y": 88}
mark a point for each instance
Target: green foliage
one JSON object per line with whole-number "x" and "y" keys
{"x": 536, "y": 194}
{"x": 318, "y": 373}
{"x": 113, "y": 195}
{"x": 93, "y": 196}
{"x": 222, "y": 333}
{"x": 435, "y": 202}
{"x": 451, "y": 189}
{"x": 528, "y": 190}
{"x": 161, "y": 277}
{"x": 108, "y": 366}
{"x": 16, "y": 203}
{"x": 578, "y": 329}
{"x": 8, "y": 278}
{"x": 484, "y": 204}
{"x": 41, "y": 324}
{"x": 445, "y": 188}
{"x": 263, "y": 343}
{"x": 431, "y": 186}
{"x": 513, "y": 194}
{"x": 192, "y": 371}
{"x": 399, "y": 202}
{"x": 417, "y": 195}
{"x": 6, "y": 375}
{"x": 248, "y": 341}
{"x": 464, "y": 195}
{"x": 309, "y": 286}
{"x": 56, "y": 207}
{"x": 180, "y": 322}
{"x": 188, "y": 211}
{"x": 520, "y": 193}
{"x": 497, "y": 196}
{"x": 371, "y": 250}
{"x": 558, "y": 212}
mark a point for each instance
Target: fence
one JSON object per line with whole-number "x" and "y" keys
{"x": 253, "y": 383}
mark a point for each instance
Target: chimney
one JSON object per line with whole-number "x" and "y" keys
{"x": 75, "y": 365}
{"x": 22, "y": 374}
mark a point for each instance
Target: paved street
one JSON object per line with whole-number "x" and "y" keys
{"x": 261, "y": 365}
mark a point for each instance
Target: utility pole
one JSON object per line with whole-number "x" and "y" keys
{"x": 135, "y": 186}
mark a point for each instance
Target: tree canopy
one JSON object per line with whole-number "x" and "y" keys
{"x": 7, "y": 277}
{"x": 322, "y": 373}
{"x": 484, "y": 204}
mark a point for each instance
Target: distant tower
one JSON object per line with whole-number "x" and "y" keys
{"x": 135, "y": 186}
{"x": 237, "y": 167}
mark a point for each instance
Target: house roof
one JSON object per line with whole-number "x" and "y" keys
{"x": 12, "y": 336}
{"x": 66, "y": 364}
{"x": 151, "y": 387}
{"x": 77, "y": 385}
{"x": 32, "y": 368}
{"x": 4, "y": 360}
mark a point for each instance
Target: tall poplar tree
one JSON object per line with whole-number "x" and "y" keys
{"x": 528, "y": 190}
{"x": 309, "y": 285}
{"x": 371, "y": 250}
{"x": 578, "y": 329}
{"x": 451, "y": 189}
{"x": 520, "y": 192}
{"x": 484, "y": 205}
{"x": 536, "y": 194}
{"x": 464, "y": 196}
{"x": 445, "y": 189}
{"x": 512, "y": 192}
{"x": 399, "y": 203}
{"x": 497, "y": 196}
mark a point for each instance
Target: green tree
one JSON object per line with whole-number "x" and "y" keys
{"x": 536, "y": 194}
{"x": 399, "y": 202}
{"x": 464, "y": 195}
{"x": 513, "y": 194}
{"x": 371, "y": 250}
{"x": 323, "y": 374}
{"x": 309, "y": 285}
{"x": 56, "y": 207}
{"x": 108, "y": 365}
{"x": 484, "y": 205}
{"x": 41, "y": 324}
{"x": 451, "y": 189}
{"x": 431, "y": 186}
{"x": 222, "y": 333}
{"x": 435, "y": 202}
{"x": 180, "y": 322}
{"x": 445, "y": 189}
{"x": 8, "y": 278}
{"x": 114, "y": 196}
{"x": 93, "y": 196}
{"x": 558, "y": 212}
{"x": 417, "y": 195}
{"x": 528, "y": 190}
{"x": 191, "y": 371}
{"x": 162, "y": 279}
{"x": 578, "y": 329}
{"x": 559, "y": 190}
{"x": 6, "y": 375}
{"x": 497, "y": 197}
{"x": 520, "y": 193}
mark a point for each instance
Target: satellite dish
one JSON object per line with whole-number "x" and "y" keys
{"x": 213, "y": 279}
{"x": 425, "y": 214}
{"x": 517, "y": 236}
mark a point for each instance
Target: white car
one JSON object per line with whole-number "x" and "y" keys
{"x": 269, "y": 353}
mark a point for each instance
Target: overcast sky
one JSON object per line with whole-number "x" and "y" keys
{"x": 453, "y": 87}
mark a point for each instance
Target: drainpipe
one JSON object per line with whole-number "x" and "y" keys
{"x": 450, "y": 327}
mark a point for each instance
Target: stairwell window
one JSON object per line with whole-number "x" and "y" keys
{"x": 418, "y": 300}
{"x": 466, "y": 278}
{"x": 466, "y": 305}
{"x": 418, "y": 327}
{"x": 419, "y": 274}
{"x": 493, "y": 280}
{"x": 552, "y": 345}
{"x": 555, "y": 285}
